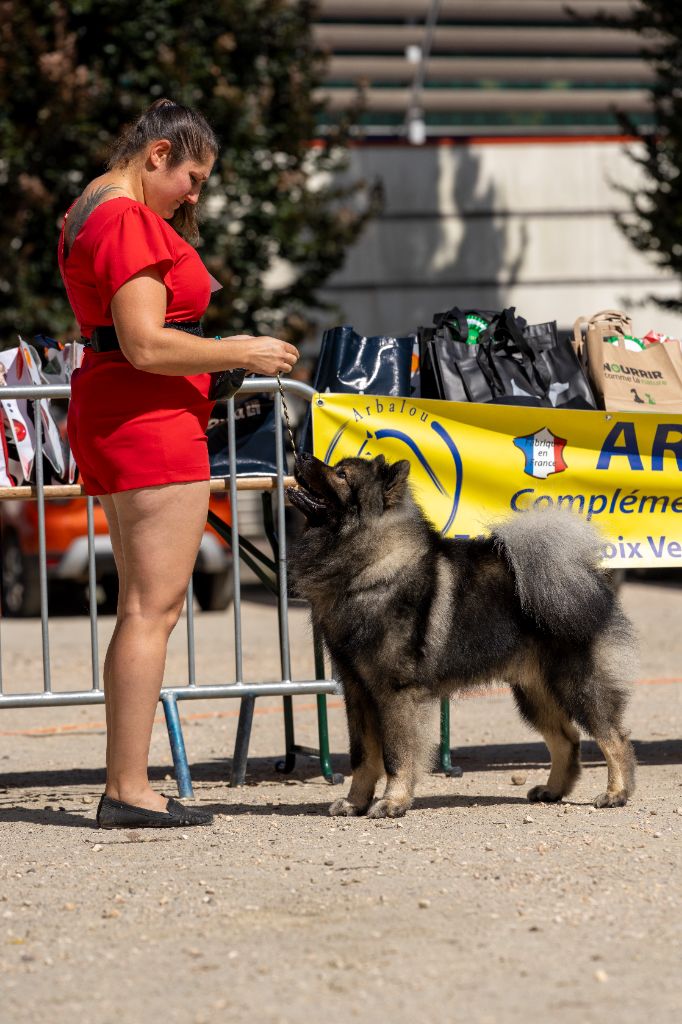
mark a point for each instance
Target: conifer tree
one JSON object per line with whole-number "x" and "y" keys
{"x": 275, "y": 222}
{"x": 654, "y": 225}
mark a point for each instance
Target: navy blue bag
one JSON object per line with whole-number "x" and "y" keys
{"x": 352, "y": 363}
{"x": 254, "y": 434}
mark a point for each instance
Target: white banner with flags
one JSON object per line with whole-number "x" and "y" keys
{"x": 21, "y": 367}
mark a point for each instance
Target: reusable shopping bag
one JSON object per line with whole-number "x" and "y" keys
{"x": 507, "y": 362}
{"x": 449, "y": 359}
{"x": 354, "y": 363}
{"x": 649, "y": 380}
{"x": 609, "y": 323}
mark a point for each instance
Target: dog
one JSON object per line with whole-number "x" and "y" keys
{"x": 409, "y": 617}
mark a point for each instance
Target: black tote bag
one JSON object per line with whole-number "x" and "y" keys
{"x": 513, "y": 363}
{"x": 465, "y": 325}
{"x": 453, "y": 370}
{"x": 353, "y": 363}
{"x": 568, "y": 387}
{"x": 516, "y": 375}
{"x": 450, "y": 364}
{"x": 534, "y": 366}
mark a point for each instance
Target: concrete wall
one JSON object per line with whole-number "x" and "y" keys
{"x": 491, "y": 224}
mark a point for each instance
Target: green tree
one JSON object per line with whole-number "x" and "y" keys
{"x": 276, "y": 221}
{"x": 654, "y": 225}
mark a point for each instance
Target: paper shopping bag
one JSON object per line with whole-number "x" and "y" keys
{"x": 589, "y": 333}
{"x": 645, "y": 381}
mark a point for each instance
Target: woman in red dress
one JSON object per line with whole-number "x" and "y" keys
{"x": 139, "y": 410}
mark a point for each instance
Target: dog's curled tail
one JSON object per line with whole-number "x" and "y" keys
{"x": 554, "y": 555}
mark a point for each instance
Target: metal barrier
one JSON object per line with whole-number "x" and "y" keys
{"x": 247, "y": 692}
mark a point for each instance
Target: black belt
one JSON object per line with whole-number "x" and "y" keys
{"x": 224, "y": 383}
{"x": 105, "y": 339}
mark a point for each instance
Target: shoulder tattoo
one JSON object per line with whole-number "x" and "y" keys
{"x": 83, "y": 208}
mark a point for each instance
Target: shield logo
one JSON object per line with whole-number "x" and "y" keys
{"x": 543, "y": 452}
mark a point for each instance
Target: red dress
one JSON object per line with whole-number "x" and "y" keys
{"x": 127, "y": 427}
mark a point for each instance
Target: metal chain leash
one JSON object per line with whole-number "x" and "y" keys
{"x": 286, "y": 415}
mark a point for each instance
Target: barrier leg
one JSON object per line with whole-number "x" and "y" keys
{"x": 322, "y": 722}
{"x": 290, "y": 748}
{"x": 289, "y": 762}
{"x": 453, "y": 770}
{"x": 177, "y": 745}
{"x": 290, "y": 751}
{"x": 241, "y": 743}
{"x": 335, "y": 778}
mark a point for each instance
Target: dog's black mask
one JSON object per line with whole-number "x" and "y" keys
{"x": 353, "y": 488}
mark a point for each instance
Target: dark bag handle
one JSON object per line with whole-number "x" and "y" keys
{"x": 487, "y": 367}
{"x": 511, "y": 327}
{"x": 454, "y": 315}
{"x": 511, "y": 324}
{"x": 533, "y": 366}
{"x": 458, "y": 316}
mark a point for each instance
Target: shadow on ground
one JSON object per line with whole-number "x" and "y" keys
{"x": 485, "y": 757}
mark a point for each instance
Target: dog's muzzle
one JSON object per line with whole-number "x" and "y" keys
{"x": 305, "y": 497}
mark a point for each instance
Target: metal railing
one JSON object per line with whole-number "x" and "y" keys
{"x": 246, "y": 691}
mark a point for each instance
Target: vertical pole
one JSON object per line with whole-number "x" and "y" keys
{"x": 92, "y": 584}
{"x": 289, "y": 762}
{"x": 414, "y": 111}
{"x": 283, "y": 598}
{"x": 322, "y": 720}
{"x": 454, "y": 771}
{"x": 323, "y": 739}
{"x": 234, "y": 513}
{"x": 246, "y": 708}
{"x": 241, "y": 743}
{"x": 42, "y": 552}
{"x": 282, "y": 592}
{"x": 191, "y": 659}
{"x": 177, "y": 745}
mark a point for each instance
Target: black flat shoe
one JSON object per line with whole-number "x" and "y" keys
{"x": 115, "y": 814}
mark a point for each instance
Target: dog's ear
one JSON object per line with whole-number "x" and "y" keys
{"x": 395, "y": 478}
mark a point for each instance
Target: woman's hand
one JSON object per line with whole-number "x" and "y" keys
{"x": 269, "y": 356}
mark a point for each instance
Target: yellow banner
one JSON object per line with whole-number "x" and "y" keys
{"x": 475, "y": 463}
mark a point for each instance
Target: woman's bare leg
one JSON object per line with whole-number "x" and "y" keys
{"x": 160, "y": 530}
{"x": 107, "y": 503}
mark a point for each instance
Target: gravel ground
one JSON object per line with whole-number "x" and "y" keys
{"x": 476, "y": 907}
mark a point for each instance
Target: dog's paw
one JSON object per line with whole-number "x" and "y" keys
{"x": 612, "y": 799}
{"x": 387, "y": 809}
{"x": 344, "y": 808}
{"x": 543, "y": 795}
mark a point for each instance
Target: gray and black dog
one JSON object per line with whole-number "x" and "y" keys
{"x": 409, "y": 616}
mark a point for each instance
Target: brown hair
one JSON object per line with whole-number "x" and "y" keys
{"x": 191, "y": 138}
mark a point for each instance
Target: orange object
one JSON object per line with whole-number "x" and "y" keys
{"x": 66, "y": 533}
